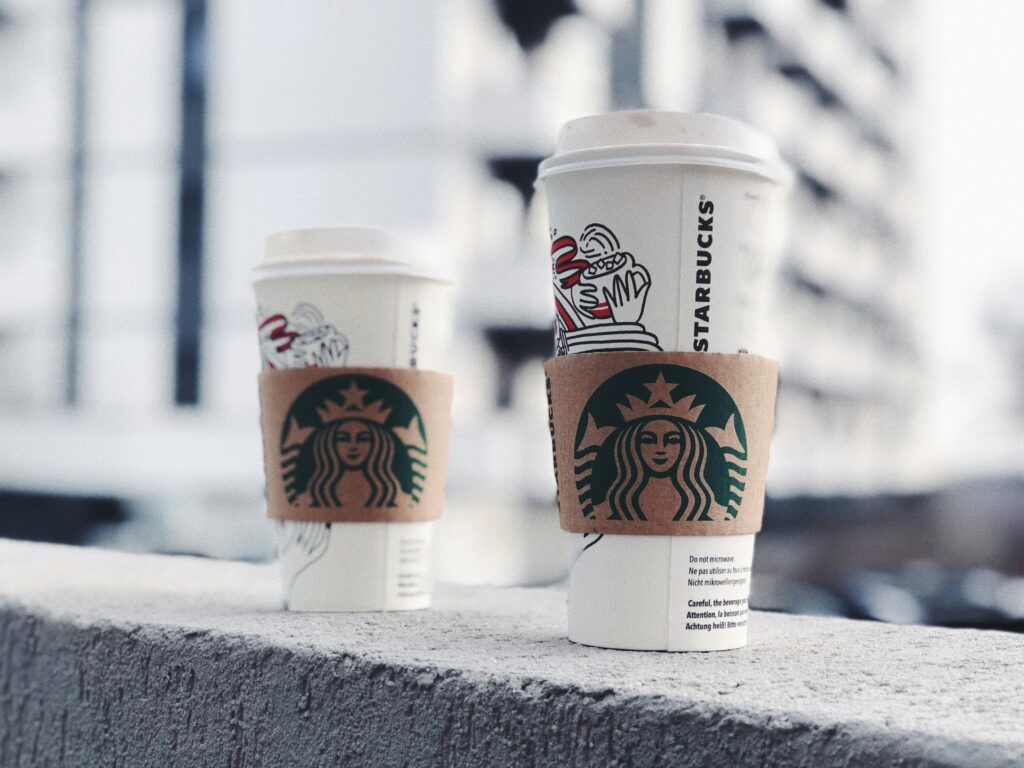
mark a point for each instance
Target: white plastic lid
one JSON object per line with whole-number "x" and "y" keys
{"x": 649, "y": 137}
{"x": 341, "y": 250}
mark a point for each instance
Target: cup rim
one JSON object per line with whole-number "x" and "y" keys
{"x": 653, "y": 154}
{"x": 706, "y": 140}
{"x": 322, "y": 265}
{"x": 338, "y": 251}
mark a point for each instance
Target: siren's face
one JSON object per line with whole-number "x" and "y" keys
{"x": 659, "y": 446}
{"x": 352, "y": 441}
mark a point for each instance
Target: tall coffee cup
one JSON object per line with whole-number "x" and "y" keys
{"x": 664, "y": 227}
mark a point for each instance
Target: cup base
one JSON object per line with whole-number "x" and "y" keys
{"x": 661, "y": 593}
{"x": 359, "y": 609}
{"x": 356, "y": 567}
{"x": 605, "y": 646}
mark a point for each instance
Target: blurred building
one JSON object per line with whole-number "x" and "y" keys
{"x": 148, "y": 146}
{"x": 832, "y": 81}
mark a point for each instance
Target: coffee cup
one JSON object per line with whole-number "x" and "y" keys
{"x": 346, "y": 298}
{"x": 664, "y": 232}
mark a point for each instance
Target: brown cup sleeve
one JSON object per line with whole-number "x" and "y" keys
{"x": 355, "y": 444}
{"x": 661, "y": 443}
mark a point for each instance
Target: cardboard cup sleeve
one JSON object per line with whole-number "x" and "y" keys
{"x": 661, "y": 443}
{"x": 355, "y": 444}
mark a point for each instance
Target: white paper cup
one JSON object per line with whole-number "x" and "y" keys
{"x": 337, "y": 297}
{"x": 637, "y": 201}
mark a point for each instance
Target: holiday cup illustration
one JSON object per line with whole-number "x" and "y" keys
{"x": 600, "y": 294}
{"x": 300, "y": 338}
{"x": 355, "y": 430}
{"x": 665, "y": 230}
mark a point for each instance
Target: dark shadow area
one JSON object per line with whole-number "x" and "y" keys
{"x": 57, "y": 519}
{"x": 952, "y": 558}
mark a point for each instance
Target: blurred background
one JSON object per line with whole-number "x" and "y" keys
{"x": 148, "y": 146}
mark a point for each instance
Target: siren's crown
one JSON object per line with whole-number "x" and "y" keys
{"x": 353, "y": 406}
{"x": 660, "y": 403}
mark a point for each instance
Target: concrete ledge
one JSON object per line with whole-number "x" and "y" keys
{"x": 124, "y": 660}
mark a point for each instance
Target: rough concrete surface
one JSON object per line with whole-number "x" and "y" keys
{"x": 110, "y": 659}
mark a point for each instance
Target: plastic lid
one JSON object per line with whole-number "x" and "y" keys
{"x": 649, "y": 137}
{"x": 341, "y": 250}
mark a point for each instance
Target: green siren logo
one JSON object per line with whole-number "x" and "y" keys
{"x": 353, "y": 440}
{"x": 660, "y": 442}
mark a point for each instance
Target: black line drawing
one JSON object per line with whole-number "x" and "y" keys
{"x": 303, "y": 541}
{"x": 600, "y": 294}
{"x": 300, "y": 340}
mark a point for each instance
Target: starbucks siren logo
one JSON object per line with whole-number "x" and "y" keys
{"x": 353, "y": 439}
{"x": 660, "y": 442}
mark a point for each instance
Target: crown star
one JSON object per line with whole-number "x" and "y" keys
{"x": 353, "y": 406}
{"x": 354, "y": 397}
{"x": 660, "y": 403}
{"x": 661, "y": 391}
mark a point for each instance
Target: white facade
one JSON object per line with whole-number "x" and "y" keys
{"x": 386, "y": 113}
